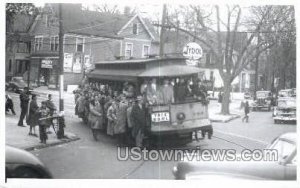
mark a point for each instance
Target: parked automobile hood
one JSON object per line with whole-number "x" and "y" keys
{"x": 261, "y": 169}
{"x": 18, "y": 156}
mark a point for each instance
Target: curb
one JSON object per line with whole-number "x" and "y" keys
{"x": 227, "y": 120}
{"x": 61, "y": 141}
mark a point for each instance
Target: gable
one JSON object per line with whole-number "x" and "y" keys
{"x": 143, "y": 29}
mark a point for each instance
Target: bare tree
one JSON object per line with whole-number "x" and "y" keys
{"x": 105, "y": 8}
{"x": 222, "y": 37}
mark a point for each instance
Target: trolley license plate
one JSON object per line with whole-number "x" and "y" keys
{"x": 160, "y": 116}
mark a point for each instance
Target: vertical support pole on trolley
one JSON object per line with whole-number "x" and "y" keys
{"x": 60, "y": 132}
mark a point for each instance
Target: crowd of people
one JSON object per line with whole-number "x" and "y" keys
{"x": 121, "y": 111}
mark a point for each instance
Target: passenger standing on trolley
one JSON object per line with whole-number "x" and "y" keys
{"x": 138, "y": 117}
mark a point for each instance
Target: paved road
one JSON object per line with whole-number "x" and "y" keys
{"x": 86, "y": 158}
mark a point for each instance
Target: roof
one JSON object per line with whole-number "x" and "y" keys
{"x": 115, "y": 74}
{"x": 170, "y": 71}
{"x": 124, "y": 61}
{"x": 95, "y": 23}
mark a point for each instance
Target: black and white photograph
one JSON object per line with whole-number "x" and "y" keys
{"x": 149, "y": 90}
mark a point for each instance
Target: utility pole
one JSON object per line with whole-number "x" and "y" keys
{"x": 256, "y": 66}
{"x": 60, "y": 133}
{"x": 162, "y": 31}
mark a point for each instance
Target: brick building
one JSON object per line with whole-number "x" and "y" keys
{"x": 89, "y": 37}
{"x": 18, "y": 47}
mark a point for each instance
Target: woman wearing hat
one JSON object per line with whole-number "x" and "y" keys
{"x": 32, "y": 118}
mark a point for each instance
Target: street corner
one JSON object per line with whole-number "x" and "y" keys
{"x": 223, "y": 118}
{"x": 53, "y": 141}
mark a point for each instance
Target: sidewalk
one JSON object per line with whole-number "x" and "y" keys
{"x": 214, "y": 109}
{"x": 18, "y": 136}
{"x": 44, "y": 91}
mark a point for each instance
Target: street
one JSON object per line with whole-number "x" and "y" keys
{"x": 88, "y": 159}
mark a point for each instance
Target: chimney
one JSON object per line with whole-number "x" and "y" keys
{"x": 127, "y": 11}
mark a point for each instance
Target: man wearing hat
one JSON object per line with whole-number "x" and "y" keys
{"x": 24, "y": 100}
{"x": 138, "y": 119}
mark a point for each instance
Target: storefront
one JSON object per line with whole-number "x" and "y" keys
{"x": 44, "y": 71}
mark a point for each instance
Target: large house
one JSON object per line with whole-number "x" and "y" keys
{"x": 89, "y": 37}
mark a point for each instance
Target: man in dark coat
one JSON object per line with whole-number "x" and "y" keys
{"x": 9, "y": 105}
{"x": 181, "y": 90}
{"x": 138, "y": 118}
{"x": 24, "y": 100}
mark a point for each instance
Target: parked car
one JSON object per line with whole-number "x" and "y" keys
{"x": 17, "y": 85}
{"x": 285, "y": 111}
{"x": 285, "y": 93}
{"x": 22, "y": 164}
{"x": 285, "y": 168}
{"x": 263, "y": 101}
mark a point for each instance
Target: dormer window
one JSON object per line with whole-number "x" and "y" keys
{"x": 135, "y": 29}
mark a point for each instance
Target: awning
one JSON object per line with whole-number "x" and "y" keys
{"x": 170, "y": 71}
{"x": 115, "y": 74}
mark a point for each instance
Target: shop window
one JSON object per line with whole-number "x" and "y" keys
{"x": 54, "y": 43}
{"x": 38, "y": 43}
{"x": 79, "y": 44}
{"x": 128, "y": 50}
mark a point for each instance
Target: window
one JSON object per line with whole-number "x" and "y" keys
{"x": 20, "y": 66}
{"x": 9, "y": 65}
{"x": 79, "y": 44}
{"x": 146, "y": 50}
{"x": 38, "y": 43}
{"x": 211, "y": 76}
{"x": 23, "y": 47}
{"x": 128, "y": 50}
{"x": 208, "y": 59}
{"x": 54, "y": 43}
{"x": 135, "y": 29}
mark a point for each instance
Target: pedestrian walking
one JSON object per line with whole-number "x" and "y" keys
{"x": 95, "y": 118}
{"x": 246, "y": 110}
{"x": 43, "y": 121}
{"x": 9, "y": 105}
{"x": 24, "y": 100}
{"x": 32, "y": 117}
{"x": 138, "y": 117}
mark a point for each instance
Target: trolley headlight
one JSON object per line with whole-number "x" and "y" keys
{"x": 180, "y": 116}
